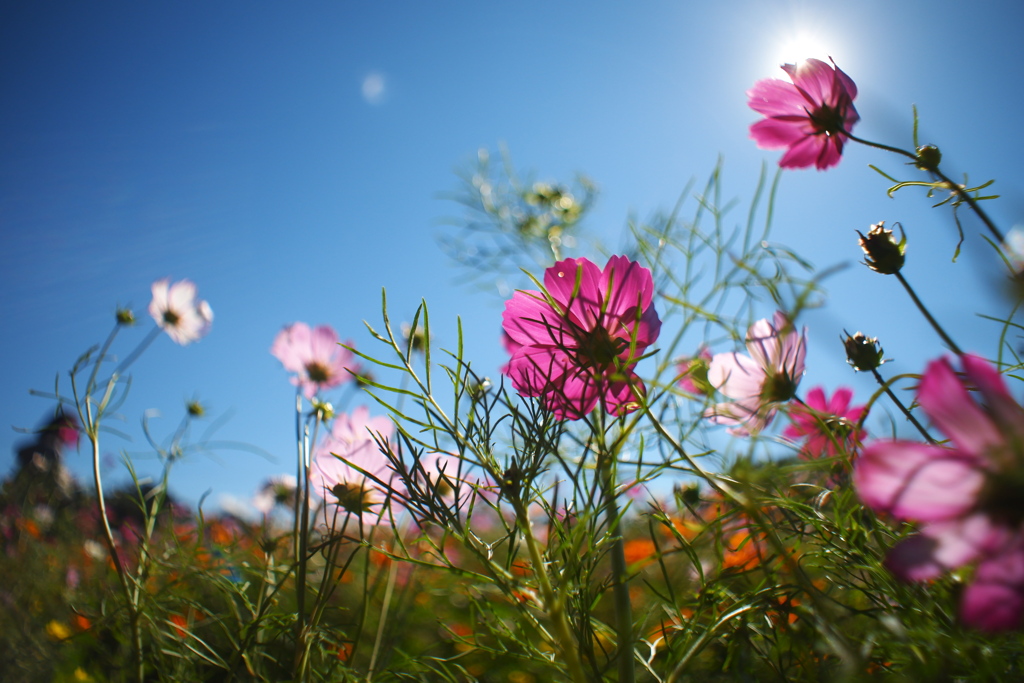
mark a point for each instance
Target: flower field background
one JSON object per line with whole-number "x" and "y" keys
{"x": 693, "y": 459}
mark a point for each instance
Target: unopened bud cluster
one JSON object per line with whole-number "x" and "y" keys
{"x": 863, "y": 353}
{"x": 882, "y": 253}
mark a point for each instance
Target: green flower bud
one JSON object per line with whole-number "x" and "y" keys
{"x": 194, "y": 408}
{"x": 125, "y": 316}
{"x": 323, "y": 409}
{"x": 883, "y": 254}
{"x": 928, "y": 157}
{"x": 863, "y": 353}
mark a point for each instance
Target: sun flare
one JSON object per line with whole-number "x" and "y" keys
{"x": 802, "y": 43}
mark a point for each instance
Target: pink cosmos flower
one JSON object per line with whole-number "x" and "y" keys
{"x": 352, "y": 443}
{"x": 693, "y": 372}
{"x": 967, "y": 497}
{"x": 830, "y": 425}
{"x": 578, "y": 341}
{"x": 178, "y": 313}
{"x": 315, "y": 356}
{"x": 510, "y": 347}
{"x": 758, "y": 383}
{"x": 808, "y": 117}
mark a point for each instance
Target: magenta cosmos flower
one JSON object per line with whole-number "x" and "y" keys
{"x": 758, "y": 383}
{"x": 177, "y": 311}
{"x": 830, "y": 425}
{"x": 354, "y": 442}
{"x": 809, "y": 117}
{"x": 576, "y": 344}
{"x": 315, "y": 357}
{"x": 967, "y": 497}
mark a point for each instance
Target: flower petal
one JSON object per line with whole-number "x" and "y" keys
{"x": 917, "y": 481}
{"x": 530, "y": 320}
{"x": 576, "y": 285}
{"x": 995, "y": 396}
{"x": 945, "y": 400}
{"x": 774, "y": 97}
{"x": 995, "y": 599}
{"x": 779, "y": 133}
{"x": 736, "y": 375}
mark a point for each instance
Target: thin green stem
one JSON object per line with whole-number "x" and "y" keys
{"x": 879, "y": 145}
{"x": 301, "y": 628}
{"x": 91, "y": 384}
{"x": 956, "y": 188}
{"x": 92, "y": 429}
{"x": 553, "y": 602}
{"x": 134, "y": 355}
{"x": 385, "y": 608}
{"x": 924, "y": 311}
{"x": 620, "y": 579}
{"x": 903, "y": 408}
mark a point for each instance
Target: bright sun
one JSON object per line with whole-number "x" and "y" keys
{"x": 801, "y": 43}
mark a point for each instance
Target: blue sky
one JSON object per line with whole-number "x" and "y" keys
{"x": 291, "y": 159}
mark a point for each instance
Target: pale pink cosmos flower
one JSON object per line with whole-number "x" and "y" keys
{"x": 578, "y": 342}
{"x": 441, "y": 472}
{"x": 967, "y": 497}
{"x": 178, "y": 313}
{"x": 830, "y": 424}
{"x": 808, "y": 117}
{"x": 280, "y": 489}
{"x": 758, "y": 383}
{"x": 354, "y": 442}
{"x": 315, "y": 356}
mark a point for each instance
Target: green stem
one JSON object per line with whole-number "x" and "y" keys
{"x": 301, "y": 628}
{"x": 553, "y": 603}
{"x": 134, "y": 355}
{"x": 903, "y": 408}
{"x": 91, "y": 384}
{"x": 620, "y": 586}
{"x": 960, "y": 191}
{"x": 924, "y": 311}
{"x": 133, "y": 615}
{"x": 388, "y": 591}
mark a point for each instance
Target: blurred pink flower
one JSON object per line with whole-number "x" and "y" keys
{"x": 315, "y": 357}
{"x": 830, "y": 425}
{"x": 808, "y": 117}
{"x": 280, "y": 489}
{"x": 693, "y": 371}
{"x": 352, "y": 443}
{"x": 441, "y": 474}
{"x": 968, "y": 499}
{"x": 757, "y": 383}
{"x": 578, "y": 341}
{"x": 178, "y": 313}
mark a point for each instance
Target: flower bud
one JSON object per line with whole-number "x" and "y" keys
{"x": 883, "y": 254}
{"x": 125, "y": 316}
{"x": 928, "y": 157}
{"x": 688, "y": 496}
{"x": 323, "y": 409}
{"x": 863, "y": 353}
{"x": 415, "y": 339}
{"x": 364, "y": 378}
